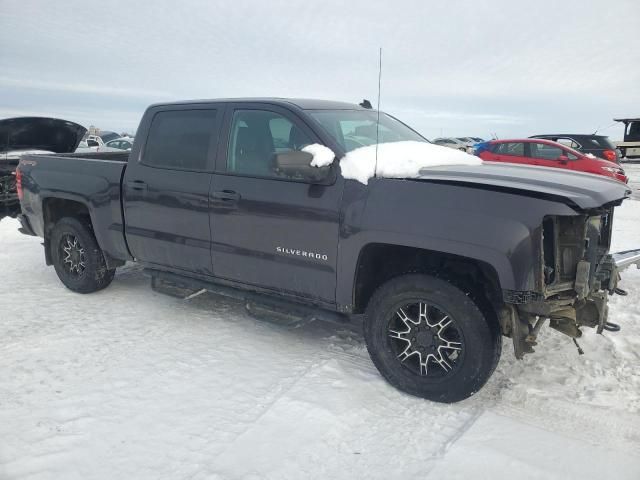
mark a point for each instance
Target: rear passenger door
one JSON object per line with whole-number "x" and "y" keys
{"x": 166, "y": 188}
{"x": 270, "y": 231}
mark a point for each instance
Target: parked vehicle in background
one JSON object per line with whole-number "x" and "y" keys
{"x": 225, "y": 195}
{"x": 597, "y": 145}
{"x": 103, "y": 136}
{"x": 88, "y": 145}
{"x": 451, "y": 143}
{"x": 630, "y": 147}
{"x": 123, "y": 143}
{"x": 547, "y": 153}
{"x": 468, "y": 141}
{"x": 94, "y": 143}
{"x": 30, "y": 135}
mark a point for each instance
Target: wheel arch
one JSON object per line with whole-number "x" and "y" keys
{"x": 380, "y": 262}
{"x": 56, "y": 208}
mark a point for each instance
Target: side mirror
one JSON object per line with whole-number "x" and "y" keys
{"x": 297, "y": 164}
{"x": 563, "y": 159}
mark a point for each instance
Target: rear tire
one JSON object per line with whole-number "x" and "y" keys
{"x": 429, "y": 339}
{"x": 77, "y": 258}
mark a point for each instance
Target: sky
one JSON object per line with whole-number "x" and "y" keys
{"x": 449, "y": 68}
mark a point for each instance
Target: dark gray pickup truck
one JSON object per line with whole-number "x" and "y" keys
{"x": 218, "y": 195}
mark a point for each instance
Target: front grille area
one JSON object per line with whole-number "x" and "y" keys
{"x": 568, "y": 240}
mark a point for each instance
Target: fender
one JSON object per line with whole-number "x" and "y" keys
{"x": 501, "y": 229}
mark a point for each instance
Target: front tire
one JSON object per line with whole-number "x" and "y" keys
{"x": 77, "y": 258}
{"x": 429, "y": 339}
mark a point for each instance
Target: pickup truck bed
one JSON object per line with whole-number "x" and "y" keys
{"x": 94, "y": 180}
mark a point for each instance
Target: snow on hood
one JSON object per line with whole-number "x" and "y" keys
{"x": 400, "y": 160}
{"x": 322, "y": 156}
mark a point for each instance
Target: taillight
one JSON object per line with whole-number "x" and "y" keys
{"x": 19, "y": 183}
{"x": 609, "y": 155}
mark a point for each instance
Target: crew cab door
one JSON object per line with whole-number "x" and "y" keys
{"x": 270, "y": 231}
{"x": 166, "y": 187}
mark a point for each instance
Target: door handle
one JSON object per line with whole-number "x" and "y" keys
{"x": 226, "y": 196}
{"x": 137, "y": 185}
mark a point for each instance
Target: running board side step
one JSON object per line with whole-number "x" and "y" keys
{"x": 259, "y": 305}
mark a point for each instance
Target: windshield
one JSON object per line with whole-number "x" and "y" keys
{"x": 357, "y": 128}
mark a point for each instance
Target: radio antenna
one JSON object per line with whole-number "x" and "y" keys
{"x": 375, "y": 170}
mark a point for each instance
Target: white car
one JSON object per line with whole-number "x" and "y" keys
{"x": 94, "y": 143}
{"x": 122, "y": 143}
{"x": 451, "y": 143}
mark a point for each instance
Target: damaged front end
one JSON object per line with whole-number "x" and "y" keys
{"x": 574, "y": 279}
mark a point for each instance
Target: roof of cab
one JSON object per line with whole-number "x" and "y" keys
{"x": 302, "y": 103}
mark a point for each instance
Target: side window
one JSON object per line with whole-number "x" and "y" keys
{"x": 515, "y": 149}
{"x": 181, "y": 139}
{"x": 257, "y": 136}
{"x": 568, "y": 142}
{"x": 547, "y": 152}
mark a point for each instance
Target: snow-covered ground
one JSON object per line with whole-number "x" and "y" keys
{"x": 130, "y": 384}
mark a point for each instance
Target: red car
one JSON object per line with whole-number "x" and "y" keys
{"x": 532, "y": 151}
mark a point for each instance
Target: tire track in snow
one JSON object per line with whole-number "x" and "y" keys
{"x": 281, "y": 391}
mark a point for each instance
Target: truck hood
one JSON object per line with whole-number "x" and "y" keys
{"x": 39, "y": 133}
{"x": 577, "y": 189}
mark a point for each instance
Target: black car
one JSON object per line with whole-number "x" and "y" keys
{"x": 598, "y": 145}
